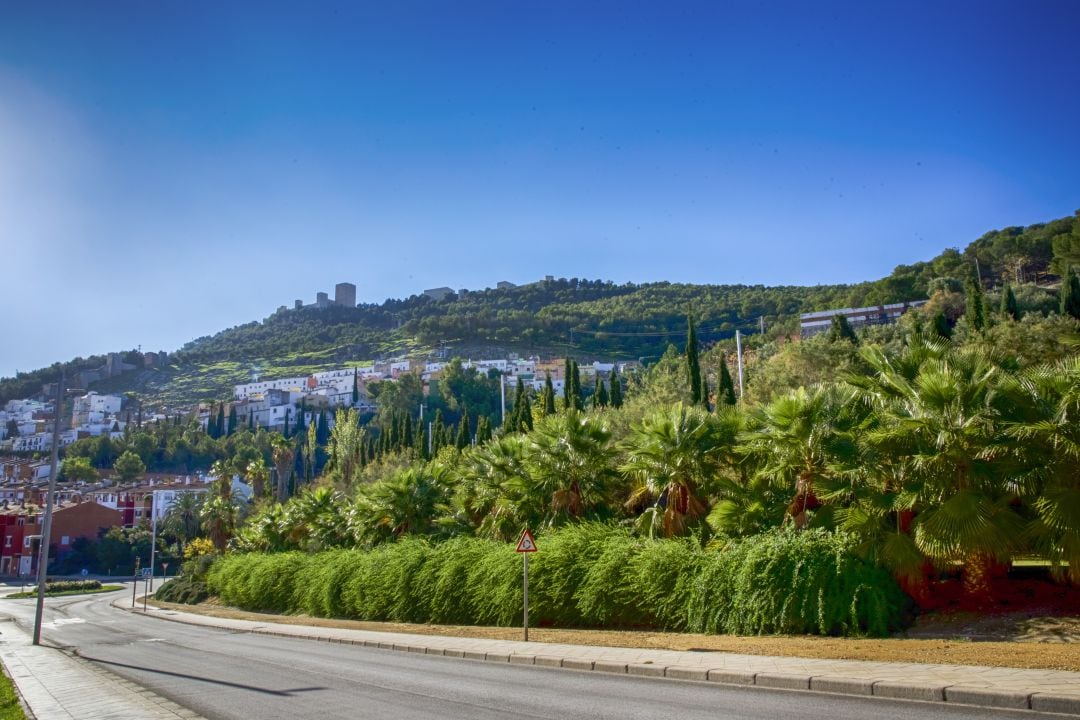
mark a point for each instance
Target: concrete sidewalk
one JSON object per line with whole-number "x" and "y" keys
{"x": 56, "y": 686}
{"x": 1051, "y": 691}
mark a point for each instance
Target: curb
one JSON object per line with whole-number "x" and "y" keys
{"x": 828, "y": 684}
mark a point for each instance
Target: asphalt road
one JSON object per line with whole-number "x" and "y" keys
{"x": 227, "y": 675}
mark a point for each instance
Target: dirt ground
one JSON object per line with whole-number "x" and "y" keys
{"x": 1020, "y": 640}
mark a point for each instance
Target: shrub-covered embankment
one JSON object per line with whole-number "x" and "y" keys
{"x": 584, "y": 575}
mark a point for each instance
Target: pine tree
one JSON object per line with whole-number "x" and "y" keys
{"x": 1070, "y": 295}
{"x": 616, "y": 388}
{"x": 1009, "y": 308}
{"x": 976, "y": 308}
{"x": 693, "y": 368}
{"x": 725, "y": 391}
{"x": 549, "y": 396}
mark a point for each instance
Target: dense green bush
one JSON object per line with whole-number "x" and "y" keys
{"x": 794, "y": 582}
{"x": 584, "y": 575}
{"x": 183, "y": 589}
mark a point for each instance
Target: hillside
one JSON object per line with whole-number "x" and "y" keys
{"x": 585, "y": 318}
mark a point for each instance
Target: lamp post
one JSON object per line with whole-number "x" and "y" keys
{"x": 153, "y": 535}
{"x": 46, "y": 522}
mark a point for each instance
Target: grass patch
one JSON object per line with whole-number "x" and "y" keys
{"x": 62, "y": 593}
{"x": 10, "y": 709}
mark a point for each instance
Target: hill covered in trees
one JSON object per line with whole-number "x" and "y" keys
{"x": 584, "y": 318}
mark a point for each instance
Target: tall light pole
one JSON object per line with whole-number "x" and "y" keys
{"x": 46, "y": 522}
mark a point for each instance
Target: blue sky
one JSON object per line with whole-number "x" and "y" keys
{"x": 179, "y": 168}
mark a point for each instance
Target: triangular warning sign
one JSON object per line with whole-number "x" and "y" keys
{"x": 527, "y": 543}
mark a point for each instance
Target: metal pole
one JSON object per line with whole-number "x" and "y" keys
{"x": 526, "y": 574}
{"x": 145, "y": 593}
{"x": 738, "y": 352}
{"x": 153, "y": 535}
{"x": 46, "y": 522}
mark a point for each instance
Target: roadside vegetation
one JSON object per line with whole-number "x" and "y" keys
{"x": 61, "y": 588}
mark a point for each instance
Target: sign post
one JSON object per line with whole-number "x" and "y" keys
{"x": 526, "y": 545}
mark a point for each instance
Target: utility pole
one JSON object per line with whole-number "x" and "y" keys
{"x": 153, "y": 535}
{"x": 46, "y": 522}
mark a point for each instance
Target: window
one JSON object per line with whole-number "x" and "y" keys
{"x": 65, "y": 540}
{"x": 7, "y": 541}
{"x": 26, "y": 542}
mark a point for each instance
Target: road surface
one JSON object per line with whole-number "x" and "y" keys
{"x": 238, "y": 676}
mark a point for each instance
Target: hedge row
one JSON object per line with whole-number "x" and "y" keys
{"x": 584, "y": 575}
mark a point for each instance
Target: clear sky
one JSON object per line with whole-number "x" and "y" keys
{"x": 170, "y": 169}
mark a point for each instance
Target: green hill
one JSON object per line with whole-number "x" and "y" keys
{"x": 585, "y": 318}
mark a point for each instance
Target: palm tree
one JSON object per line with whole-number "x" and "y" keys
{"x": 407, "y": 502}
{"x": 283, "y": 453}
{"x": 218, "y": 515}
{"x": 671, "y": 457}
{"x": 492, "y": 494}
{"x": 1048, "y": 439}
{"x": 944, "y": 412}
{"x": 568, "y": 457}
{"x": 256, "y": 474}
{"x": 316, "y": 520}
{"x": 182, "y": 520}
{"x": 795, "y": 441}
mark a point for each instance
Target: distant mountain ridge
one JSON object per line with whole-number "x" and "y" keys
{"x": 584, "y": 318}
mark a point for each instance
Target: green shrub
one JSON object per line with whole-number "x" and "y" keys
{"x": 793, "y": 582}
{"x": 587, "y": 574}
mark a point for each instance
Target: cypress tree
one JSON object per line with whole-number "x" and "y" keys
{"x": 437, "y": 435}
{"x": 693, "y": 367}
{"x": 285, "y": 429}
{"x": 525, "y": 421}
{"x": 549, "y": 396}
{"x": 841, "y": 330}
{"x": 976, "y": 308}
{"x": 1070, "y": 295}
{"x": 483, "y": 430}
{"x": 568, "y": 385}
{"x": 1009, "y": 308}
{"x": 600, "y": 395}
{"x": 616, "y": 388}
{"x": 407, "y": 431}
{"x": 575, "y": 394}
{"x": 420, "y": 441}
{"x": 355, "y": 387}
{"x": 220, "y": 424}
{"x": 300, "y": 428}
{"x": 941, "y": 325}
{"x": 251, "y": 420}
{"x": 725, "y": 391}
{"x": 463, "y": 435}
{"x": 232, "y": 420}
{"x": 322, "y": 430}
{"x": 705, "y": 390}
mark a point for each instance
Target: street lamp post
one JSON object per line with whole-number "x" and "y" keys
{"x": 46, "y": 522}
